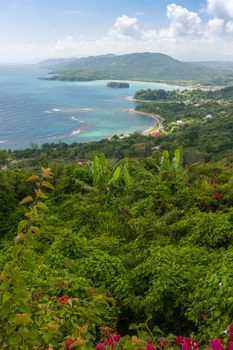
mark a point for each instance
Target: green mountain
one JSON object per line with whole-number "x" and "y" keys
{"x": 136, "y": 66}
{"x": 220, "y": 65}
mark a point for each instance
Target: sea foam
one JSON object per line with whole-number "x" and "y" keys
{"x": 57, "y": 110}
{"x": 75, "y": 132}
{"x": 79, "y": 110}
{"x": 69, "y": 110}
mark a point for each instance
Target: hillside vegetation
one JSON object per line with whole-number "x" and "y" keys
{"x": 136, "y": 242}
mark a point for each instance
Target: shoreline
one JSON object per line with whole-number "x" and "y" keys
{"x": 159, "y": 121}
{"x": 131, "y": 98}
{"x": 192, "y": 85}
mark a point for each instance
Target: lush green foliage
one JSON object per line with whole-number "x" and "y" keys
{"x": 184, "y": 95}
{"x": 125, "y": 244}
{"x": 139, "y": 244}
{"x": 155, "y": 95}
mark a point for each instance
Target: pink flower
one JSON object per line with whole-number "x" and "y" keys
{"x": 185, "y": 346}
{"x": 101, "y": 346}
{"x": 150, "y": 346}
{"x": 113, "y": 340}
{"x": 231, "y": 328}
{"x": 217, "y": 344}
{"x": 116, "y": 337}
{"x": 230, "y": 345}
{"x": 68, "y": 343}
{"x": 163, "y": 343}
{"x": 194, "y": 344}
{"x": 187, "y": 340}
{"x": 179, "y": 339}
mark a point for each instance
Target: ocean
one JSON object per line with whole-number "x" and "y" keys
{"x": 34, "y": 111}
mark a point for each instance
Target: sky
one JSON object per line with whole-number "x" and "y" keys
{"x": 190, "y": 30}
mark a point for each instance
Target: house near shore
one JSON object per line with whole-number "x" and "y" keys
{"x": 156, "y": 133}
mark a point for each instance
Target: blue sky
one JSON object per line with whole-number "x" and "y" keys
{"x": 31, "y": 30}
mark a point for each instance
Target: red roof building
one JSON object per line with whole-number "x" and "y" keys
{"x": 156, "y": 134}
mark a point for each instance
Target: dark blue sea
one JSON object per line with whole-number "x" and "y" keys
{"x": 34, "y": 111}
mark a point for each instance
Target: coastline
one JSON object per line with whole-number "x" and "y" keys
{"x": 159, "y": 121}
{"x": 178, "y": 84}
{"x": 131, "y": 98}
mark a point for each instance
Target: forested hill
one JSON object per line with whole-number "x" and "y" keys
{"x": 136, "y": 66}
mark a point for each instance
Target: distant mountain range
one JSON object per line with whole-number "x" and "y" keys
{"x": 138, "y": 66}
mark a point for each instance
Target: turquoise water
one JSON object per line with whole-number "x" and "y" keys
{"x": 34, "y": 111}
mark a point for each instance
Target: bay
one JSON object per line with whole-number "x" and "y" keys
{"x": 34, "y": 111}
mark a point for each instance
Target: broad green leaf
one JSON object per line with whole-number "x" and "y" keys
{"x": 42, "y": 206}
{"x": 178, "y": 158}
{"x": 15, "y": 251}
{"x": 35, "y": 229}
{"x": 127, "y": 177}
{"x": 47, "y": 184}
{"x": 11, "y": 324}
{"x": 22, "y": 224}
{"x": 27, "y": 199}
{"x": 6, "y": 308}
{"x": 116, "y": 174}
{"x": 40, "y": 194}
{"x": 101, "y": 172}
{"x": 6, "y": 296}
{"x": 34, "y": 178}
{"x": 165, "y": 161}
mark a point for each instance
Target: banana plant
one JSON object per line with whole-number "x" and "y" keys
{"x": 101, "y": 172}
{"x": 104, "y": 178}
{"x": 176, "y": 163}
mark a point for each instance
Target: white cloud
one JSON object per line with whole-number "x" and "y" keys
{"x": 183, "y": 22}
{"x": 214, "y": 26}
{"x": 229, "y": 27}
{"x": 66, "y": 43}
{"x": 186, "y": 36}
{"x": 220, "y": 8}
{"x": 199, "y": 48}
{"x": 125, "y": 26}
{"x": 149, "y": 35}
